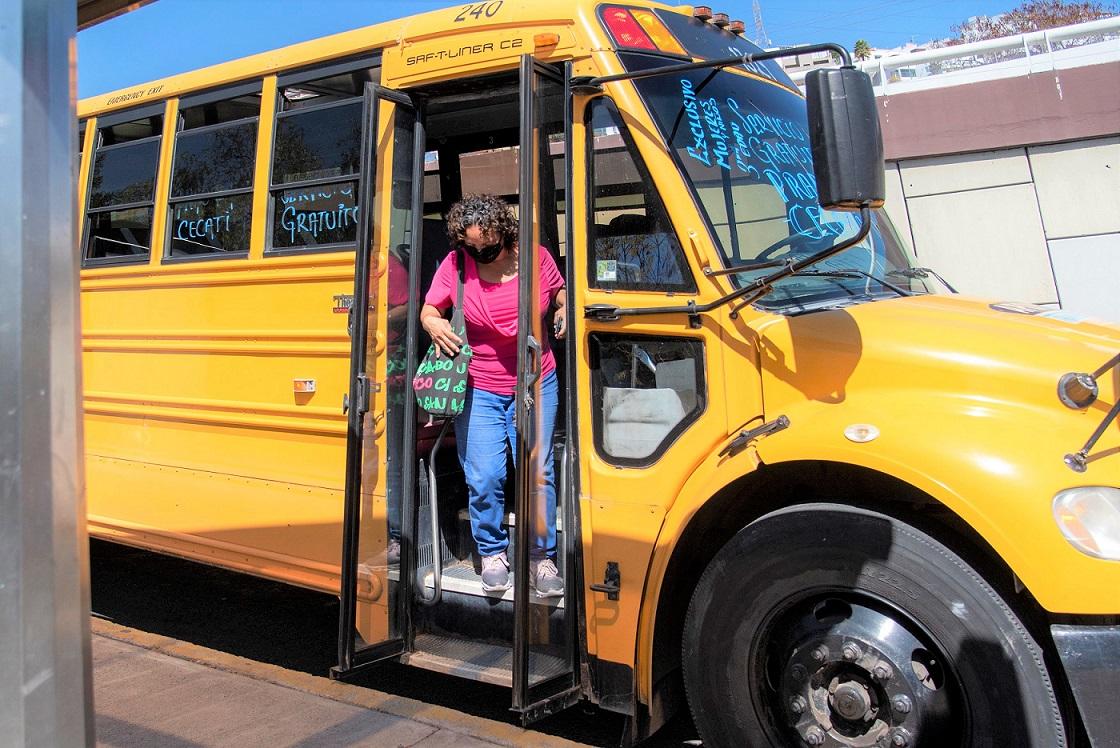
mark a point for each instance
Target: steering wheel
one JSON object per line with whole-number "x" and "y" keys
{"x": 790, "y": 240}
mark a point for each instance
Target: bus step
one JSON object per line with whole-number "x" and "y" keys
{"x": 488, "y": 663}
{"x": 462, "y": 579}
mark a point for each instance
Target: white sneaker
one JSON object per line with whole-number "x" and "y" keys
{"x": 495, "y": 573}
{"x": 544, "y": 578}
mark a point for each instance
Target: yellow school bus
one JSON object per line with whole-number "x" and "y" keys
{"x": 802, "y": 488}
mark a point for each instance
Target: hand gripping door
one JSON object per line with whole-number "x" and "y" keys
{"x": 379, "y": 405}
{"x": 544, "y": 678}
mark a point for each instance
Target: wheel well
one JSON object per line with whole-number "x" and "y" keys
{"x": 802, "y": 482}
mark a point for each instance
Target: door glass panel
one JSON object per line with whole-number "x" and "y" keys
{"x": 369, "y": 614}
{"x": 382, "y": 490}
{"x": 542, "y": 641}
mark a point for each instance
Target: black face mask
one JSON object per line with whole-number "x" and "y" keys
{"x": 484, "y": 255}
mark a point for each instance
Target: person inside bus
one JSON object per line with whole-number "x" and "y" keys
{"x": 484, "y": 230}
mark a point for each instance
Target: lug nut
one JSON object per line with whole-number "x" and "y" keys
{"x": 901, "y": 704}
{"x": 819, "y": 654}
{"x": 815, "y": 736}
{"x": 883, "y": 671}
{"x": 799, "y": 672}
{"x": 851, "y": 652}
{"x": 797, "y": 704}
{"x": 900, "y": 738}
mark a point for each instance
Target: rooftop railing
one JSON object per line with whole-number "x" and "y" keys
{"x": 1047, "y": 51}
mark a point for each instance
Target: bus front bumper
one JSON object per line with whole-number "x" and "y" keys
{"x": 1091, "y": 658}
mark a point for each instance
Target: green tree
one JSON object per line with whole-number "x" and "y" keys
{"x": 862, "y": 49}
{"x": 1035, "y": 15}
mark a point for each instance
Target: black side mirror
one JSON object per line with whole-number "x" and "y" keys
{"x": 847, "y": 143}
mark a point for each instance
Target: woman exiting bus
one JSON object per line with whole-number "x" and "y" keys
{"x": 484, "y": 230}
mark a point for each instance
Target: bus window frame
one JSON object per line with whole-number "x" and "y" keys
{"x": 101, "y": 122}
{"x": 201, "y": 99}
{"x": 83, "y": 133}
{"x": 372, "y": 63}
{"x": 304, "y": 74}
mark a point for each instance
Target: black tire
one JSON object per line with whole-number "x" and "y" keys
{"x": 828, "y": 625}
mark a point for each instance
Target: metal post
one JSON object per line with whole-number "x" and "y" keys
{"x": 45, "y": 674}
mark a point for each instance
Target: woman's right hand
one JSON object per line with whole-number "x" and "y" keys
{"x": 441, "y": 334}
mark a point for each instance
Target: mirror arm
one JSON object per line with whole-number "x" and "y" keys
{"x": 589, "y": 85}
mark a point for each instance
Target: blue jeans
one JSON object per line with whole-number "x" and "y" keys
{"x": 482, "y": 431}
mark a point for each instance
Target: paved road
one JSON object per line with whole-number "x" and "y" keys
{"x": 295, "y": 630}
{"x": 159, "y": 692}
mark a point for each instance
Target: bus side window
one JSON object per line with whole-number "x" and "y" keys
{"x": 633, "y": 245}
{"x": 121, "y": 196}
{"x": 645, "y": 393}
{"x": 316, "y": 154}
{"x": 211, "y": 204}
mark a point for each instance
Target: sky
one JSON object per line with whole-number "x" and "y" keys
{"x": 173, "y": 36}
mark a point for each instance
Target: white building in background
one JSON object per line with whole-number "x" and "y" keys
{"x": 800, "y": 64}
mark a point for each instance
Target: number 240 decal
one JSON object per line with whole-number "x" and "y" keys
{"x": 478, "y": 11}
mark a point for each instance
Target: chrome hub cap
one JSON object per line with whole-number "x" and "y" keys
{"x": 859, "y": 674}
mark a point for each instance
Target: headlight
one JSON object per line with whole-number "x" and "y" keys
{"x": 1089, "y": 517}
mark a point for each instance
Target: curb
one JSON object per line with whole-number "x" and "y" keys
{"x": 397, "y": 706}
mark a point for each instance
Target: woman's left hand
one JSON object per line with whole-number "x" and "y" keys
{"x": 560, "y": 322}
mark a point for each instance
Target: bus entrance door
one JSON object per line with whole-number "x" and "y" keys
{"x": 371, "y": 619}
{"x": 544, "y": 680}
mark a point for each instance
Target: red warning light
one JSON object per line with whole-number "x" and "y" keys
{"x": 625, "y": 29}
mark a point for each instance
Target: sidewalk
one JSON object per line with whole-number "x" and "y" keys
{"x": 154, "y": 691}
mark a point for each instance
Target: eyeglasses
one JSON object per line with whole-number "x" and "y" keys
{"x": 494, "y": 248}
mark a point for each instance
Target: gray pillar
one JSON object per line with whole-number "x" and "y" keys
{"x": 45, "y": 675}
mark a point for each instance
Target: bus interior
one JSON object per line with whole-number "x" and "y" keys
{"x": 471, "y": 146}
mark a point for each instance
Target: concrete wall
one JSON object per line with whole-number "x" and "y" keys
{"x": 1038, "y": 224}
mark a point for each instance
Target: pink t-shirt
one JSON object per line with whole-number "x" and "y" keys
{"x": 490, "y": 311}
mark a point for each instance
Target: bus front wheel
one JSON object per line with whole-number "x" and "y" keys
{"x": 826, "y": 625}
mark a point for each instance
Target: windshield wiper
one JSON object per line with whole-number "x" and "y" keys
{"x": 855, "y": 273}
{"x": 745, "y": 296}
{"x": 923, "y": 273}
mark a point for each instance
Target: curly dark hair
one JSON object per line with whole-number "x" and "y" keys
{"x": 488, "y": 212}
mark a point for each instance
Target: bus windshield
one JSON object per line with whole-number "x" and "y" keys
{"x": 742, "y": 144}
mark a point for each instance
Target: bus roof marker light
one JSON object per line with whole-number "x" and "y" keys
{"x": 703, "y": 12}
{"x": 548, "y": 39}
{"x": 625, "y": 29}
{"x": 737, "y": 27}
{"x": 721, "y": 19}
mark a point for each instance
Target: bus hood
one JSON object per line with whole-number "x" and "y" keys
{"x": 926, "y": 369}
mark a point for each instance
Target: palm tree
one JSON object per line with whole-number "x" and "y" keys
{"x": 862, "y": 50}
